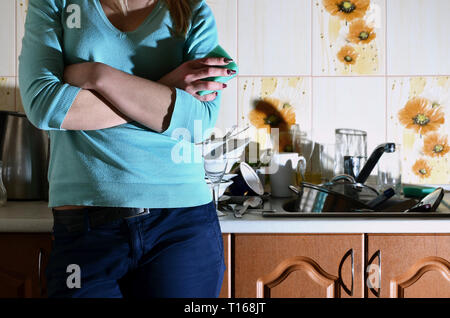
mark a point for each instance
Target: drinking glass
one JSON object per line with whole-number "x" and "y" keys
{"x": 215, "y": 163}
{"x": 351, "y": 144}
{"x": 390, "y": 171}
{"x": 326, "y": 161}
{"x": 303, "y": 144}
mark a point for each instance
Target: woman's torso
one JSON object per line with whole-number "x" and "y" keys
{"x": 146, "y": 54}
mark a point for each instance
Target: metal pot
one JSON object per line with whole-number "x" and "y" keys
{"x": 315, "y": 198}
{"x": 24, "y": 154}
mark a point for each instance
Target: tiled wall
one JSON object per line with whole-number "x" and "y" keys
{"x": 297, "y": 53}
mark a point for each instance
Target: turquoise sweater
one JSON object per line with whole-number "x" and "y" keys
{"x": 128, "y": 165}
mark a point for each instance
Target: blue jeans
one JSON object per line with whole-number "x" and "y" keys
{"x": 165, "y": 253}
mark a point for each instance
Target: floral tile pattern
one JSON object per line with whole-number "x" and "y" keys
{"x": 348, "y": 37}
{"x": 273, "y": 102}
{"x": 7, "y": 93}
{"x": 418, "y": 119}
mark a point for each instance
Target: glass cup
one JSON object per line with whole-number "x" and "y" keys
{"x": 351, "y": 144}
{"x": 326, "y": 162}
{"x": 215, "y": 163}
{"x": 390, "y": 171}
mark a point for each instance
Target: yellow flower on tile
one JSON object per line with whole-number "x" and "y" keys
{"x": 347, "y": 9}
{"x": 421, "y": 168}
{"x": 272, "y": 113}
{"x": 347, "y": 55}
{"x": 360, "y": 32}
{"x": 419, "y": 115}
{"x": 435, "y": 145}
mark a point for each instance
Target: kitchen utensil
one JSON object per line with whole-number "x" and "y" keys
{"x": 247, "y": 182}
{"x": 312, "y": 198}
{"x": 350, "y": 143}
{"x": 283, "y": 174}
{"x": 347, "y": 185}
{"x": 25, "y": 158}
{"x": 390, "y": 171}
{"x": 386, "y": 195}
{"x": 254, "y": 202}
{"x": 417, "y": 191}
{"x": 429, "y": 203}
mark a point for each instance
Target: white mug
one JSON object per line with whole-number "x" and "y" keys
{"x": 282, "y": 175}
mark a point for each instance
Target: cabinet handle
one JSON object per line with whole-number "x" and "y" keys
{"x": 373, "y": 290}
{"x": 40, "y": 255}
{"x": 349, "y": 253}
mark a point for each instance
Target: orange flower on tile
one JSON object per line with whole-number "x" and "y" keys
{"x": 272, "y": 113}
{"x": 285, "y": 142}
{"x": 360, "y": 32}
{"x": 422, "y": 169}
{"x": 435, "y": 145}
{"x": 347, "y": 55}
{"x": 347, "y": 9}
{"x": 420, "y": 116}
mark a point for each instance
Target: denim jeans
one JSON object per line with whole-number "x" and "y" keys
{"x": 165, "y": 253}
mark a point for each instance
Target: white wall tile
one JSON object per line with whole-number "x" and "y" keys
{"x": 21, "y": 13}
{"x": 418, "y": 37}
{"x": 7, "y": 93}
{"x": 331, "y": 33}
{"x": 349, "y": 102}
{"x": 8, "y": 38}
{"x": 225, "y": 13}
{"x": 228, "y": 107}
{"x": 274, "y": 37}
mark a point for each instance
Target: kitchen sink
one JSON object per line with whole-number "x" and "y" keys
{"x": 280, "y": 207}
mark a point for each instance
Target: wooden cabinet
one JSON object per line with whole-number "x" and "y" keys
{"x": 281, "y": 265}
{"x": 294, "y": 265}
{"x": 225, "y": 292}
{"x": 23, "y": 258}
{"x": 320, "y": 265}
{"x": 409, "y": 265}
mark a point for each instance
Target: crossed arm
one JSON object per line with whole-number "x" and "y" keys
{"x": 110, "y": 97}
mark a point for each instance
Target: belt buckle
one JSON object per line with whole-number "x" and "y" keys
{"x": 144, "y": 212}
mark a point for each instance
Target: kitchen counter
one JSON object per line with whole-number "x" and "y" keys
{"x": 35, "y": 216}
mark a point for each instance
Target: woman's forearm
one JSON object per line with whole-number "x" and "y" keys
{"x": 150, "y": 103}
{"x": 90, "y": 111}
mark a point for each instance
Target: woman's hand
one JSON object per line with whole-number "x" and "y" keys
{"x": 188, "y": 76}
{"x": 83, "y": 75}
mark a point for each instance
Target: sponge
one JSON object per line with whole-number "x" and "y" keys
{"x": 218, "y": 51}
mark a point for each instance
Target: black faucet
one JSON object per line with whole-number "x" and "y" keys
{"x": 373, "y": 160}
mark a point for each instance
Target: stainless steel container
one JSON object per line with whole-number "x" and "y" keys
{"x": 24, "y": 153}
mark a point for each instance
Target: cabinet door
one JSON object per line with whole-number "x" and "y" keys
{"x": 23, "y": 258}
{"x": 225, "y": 292}
{"x": 412, "y": 265}
{"x": 259, "y": 256}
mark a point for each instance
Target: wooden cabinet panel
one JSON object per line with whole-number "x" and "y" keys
{"x": 225, "y": 292}
{"x": 23, "y": 258}
{"x": 258, "y": 255}
{"x": 420, "y": 261}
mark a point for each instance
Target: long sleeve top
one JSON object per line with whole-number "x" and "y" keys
{"x": 128, "y": 165}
